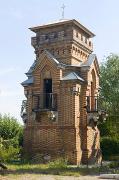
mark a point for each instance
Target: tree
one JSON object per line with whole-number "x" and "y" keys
{"x": 109, "y": 82}
{"x": 10, "y": 128}
{"x": 11, "y": 136}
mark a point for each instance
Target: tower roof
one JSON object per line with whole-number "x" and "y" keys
{"x": 63, "y": 22}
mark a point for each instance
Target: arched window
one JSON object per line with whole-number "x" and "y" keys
{"x": 93, "y": 87}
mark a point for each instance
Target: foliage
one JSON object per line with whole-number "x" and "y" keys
{"x": 58, "y": 164}
{"x": 114, "y": 164}
{"x": 10, "y": 128}
{"x": 109, "y": 146}
{"x": 110, "y": 127}
{"x": 109, "y": 96}
{"x": 11, "y": 137}
{"x": 9, "y": 154}
{"x": 17, "y": 169}
{"x": 109, "y": 82}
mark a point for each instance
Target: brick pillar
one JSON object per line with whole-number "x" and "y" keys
{"x": 83, "y": 127}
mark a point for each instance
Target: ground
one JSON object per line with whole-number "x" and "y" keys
{"x": 46, "y": 177}
{"x": 51, "y": 171}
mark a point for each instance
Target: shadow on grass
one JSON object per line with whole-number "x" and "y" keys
{"x": 44, "y": 169}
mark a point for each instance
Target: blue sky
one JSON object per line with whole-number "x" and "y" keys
{"x": 16, "y": 53}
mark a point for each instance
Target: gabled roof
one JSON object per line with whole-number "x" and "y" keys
{"x": 27, "y": 82}
{"x": 90, "y": 61}
{"x": 72, "y": 76}
{"x": 50, "y": 56}
{"x": 30, "y": 79}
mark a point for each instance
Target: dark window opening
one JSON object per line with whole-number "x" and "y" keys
{"x": 47, "y": 93}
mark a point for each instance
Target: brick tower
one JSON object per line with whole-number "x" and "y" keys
{"x": 60, "y": 110}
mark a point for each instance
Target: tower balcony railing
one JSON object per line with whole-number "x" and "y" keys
{"x": 96, "y": 110}
{"x": 95, "y": 104}
{"x": 45, "y": 101}
{"x": 92, "y": 104}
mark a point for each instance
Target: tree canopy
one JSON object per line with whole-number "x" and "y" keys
{"x": 10, "y": 129}
{"x": 11, "y": 138}
{"x": 109, "y": 82}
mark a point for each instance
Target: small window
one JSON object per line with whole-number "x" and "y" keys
{"x": 78, "y": 51}
{"x": 42, "y": 37}
{"x": 46, "y": 36}
{"x": 65, "y": 34}
{"x": 81, "y": 37}
{"x": 89, "y": 43}
{"x": 85, "y": 40}
{"x": 73, "y": 48}
{"x": 52, "y": 35}
{"x": 55, "y": 35}
{"x": 61, "y": 34}
{"x": 77, "y": 34}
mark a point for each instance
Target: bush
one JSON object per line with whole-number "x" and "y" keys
{"x": 11, "y": 137}
{"x": 9, "y": 154}
{"x": 110, "y": 127}
{"x": 114, "y": 165}
{"x": 10, "y": 128}
{"x": 58, "y": 164}
{"x": 109, "y": 146}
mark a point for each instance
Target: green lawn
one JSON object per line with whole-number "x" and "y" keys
{"x": 17, "y": 170}
{"x": 14, "y": 169}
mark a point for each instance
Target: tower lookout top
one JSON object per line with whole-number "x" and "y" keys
{"x": 63, "y": 22}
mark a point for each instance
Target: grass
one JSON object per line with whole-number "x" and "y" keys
{"x": 15, "y": 171}
{"x": 19, "y": 169}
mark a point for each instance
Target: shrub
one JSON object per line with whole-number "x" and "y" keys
{"x": 58, "y": 164}
{"x": 110, "y": 127}
{"x": 10, "y": 128}
{"x": 9, "y": 154}
{"x": 109, "y": 146}
{"x": 11, "y": 136}
{"x": 114, "y": 165}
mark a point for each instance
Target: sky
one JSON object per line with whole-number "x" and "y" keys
{"x": 16, "y": 52}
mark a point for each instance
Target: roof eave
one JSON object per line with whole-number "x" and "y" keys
{"x": 25, "y": 85}
{"x": 36, "y": 28}
{"x": 76, "y": 80}
{"x": 84, "y": 28}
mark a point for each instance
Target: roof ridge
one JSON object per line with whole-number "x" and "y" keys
{"x": 51, "y": 56}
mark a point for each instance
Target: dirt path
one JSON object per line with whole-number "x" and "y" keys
{"x": 46, "y": 177}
